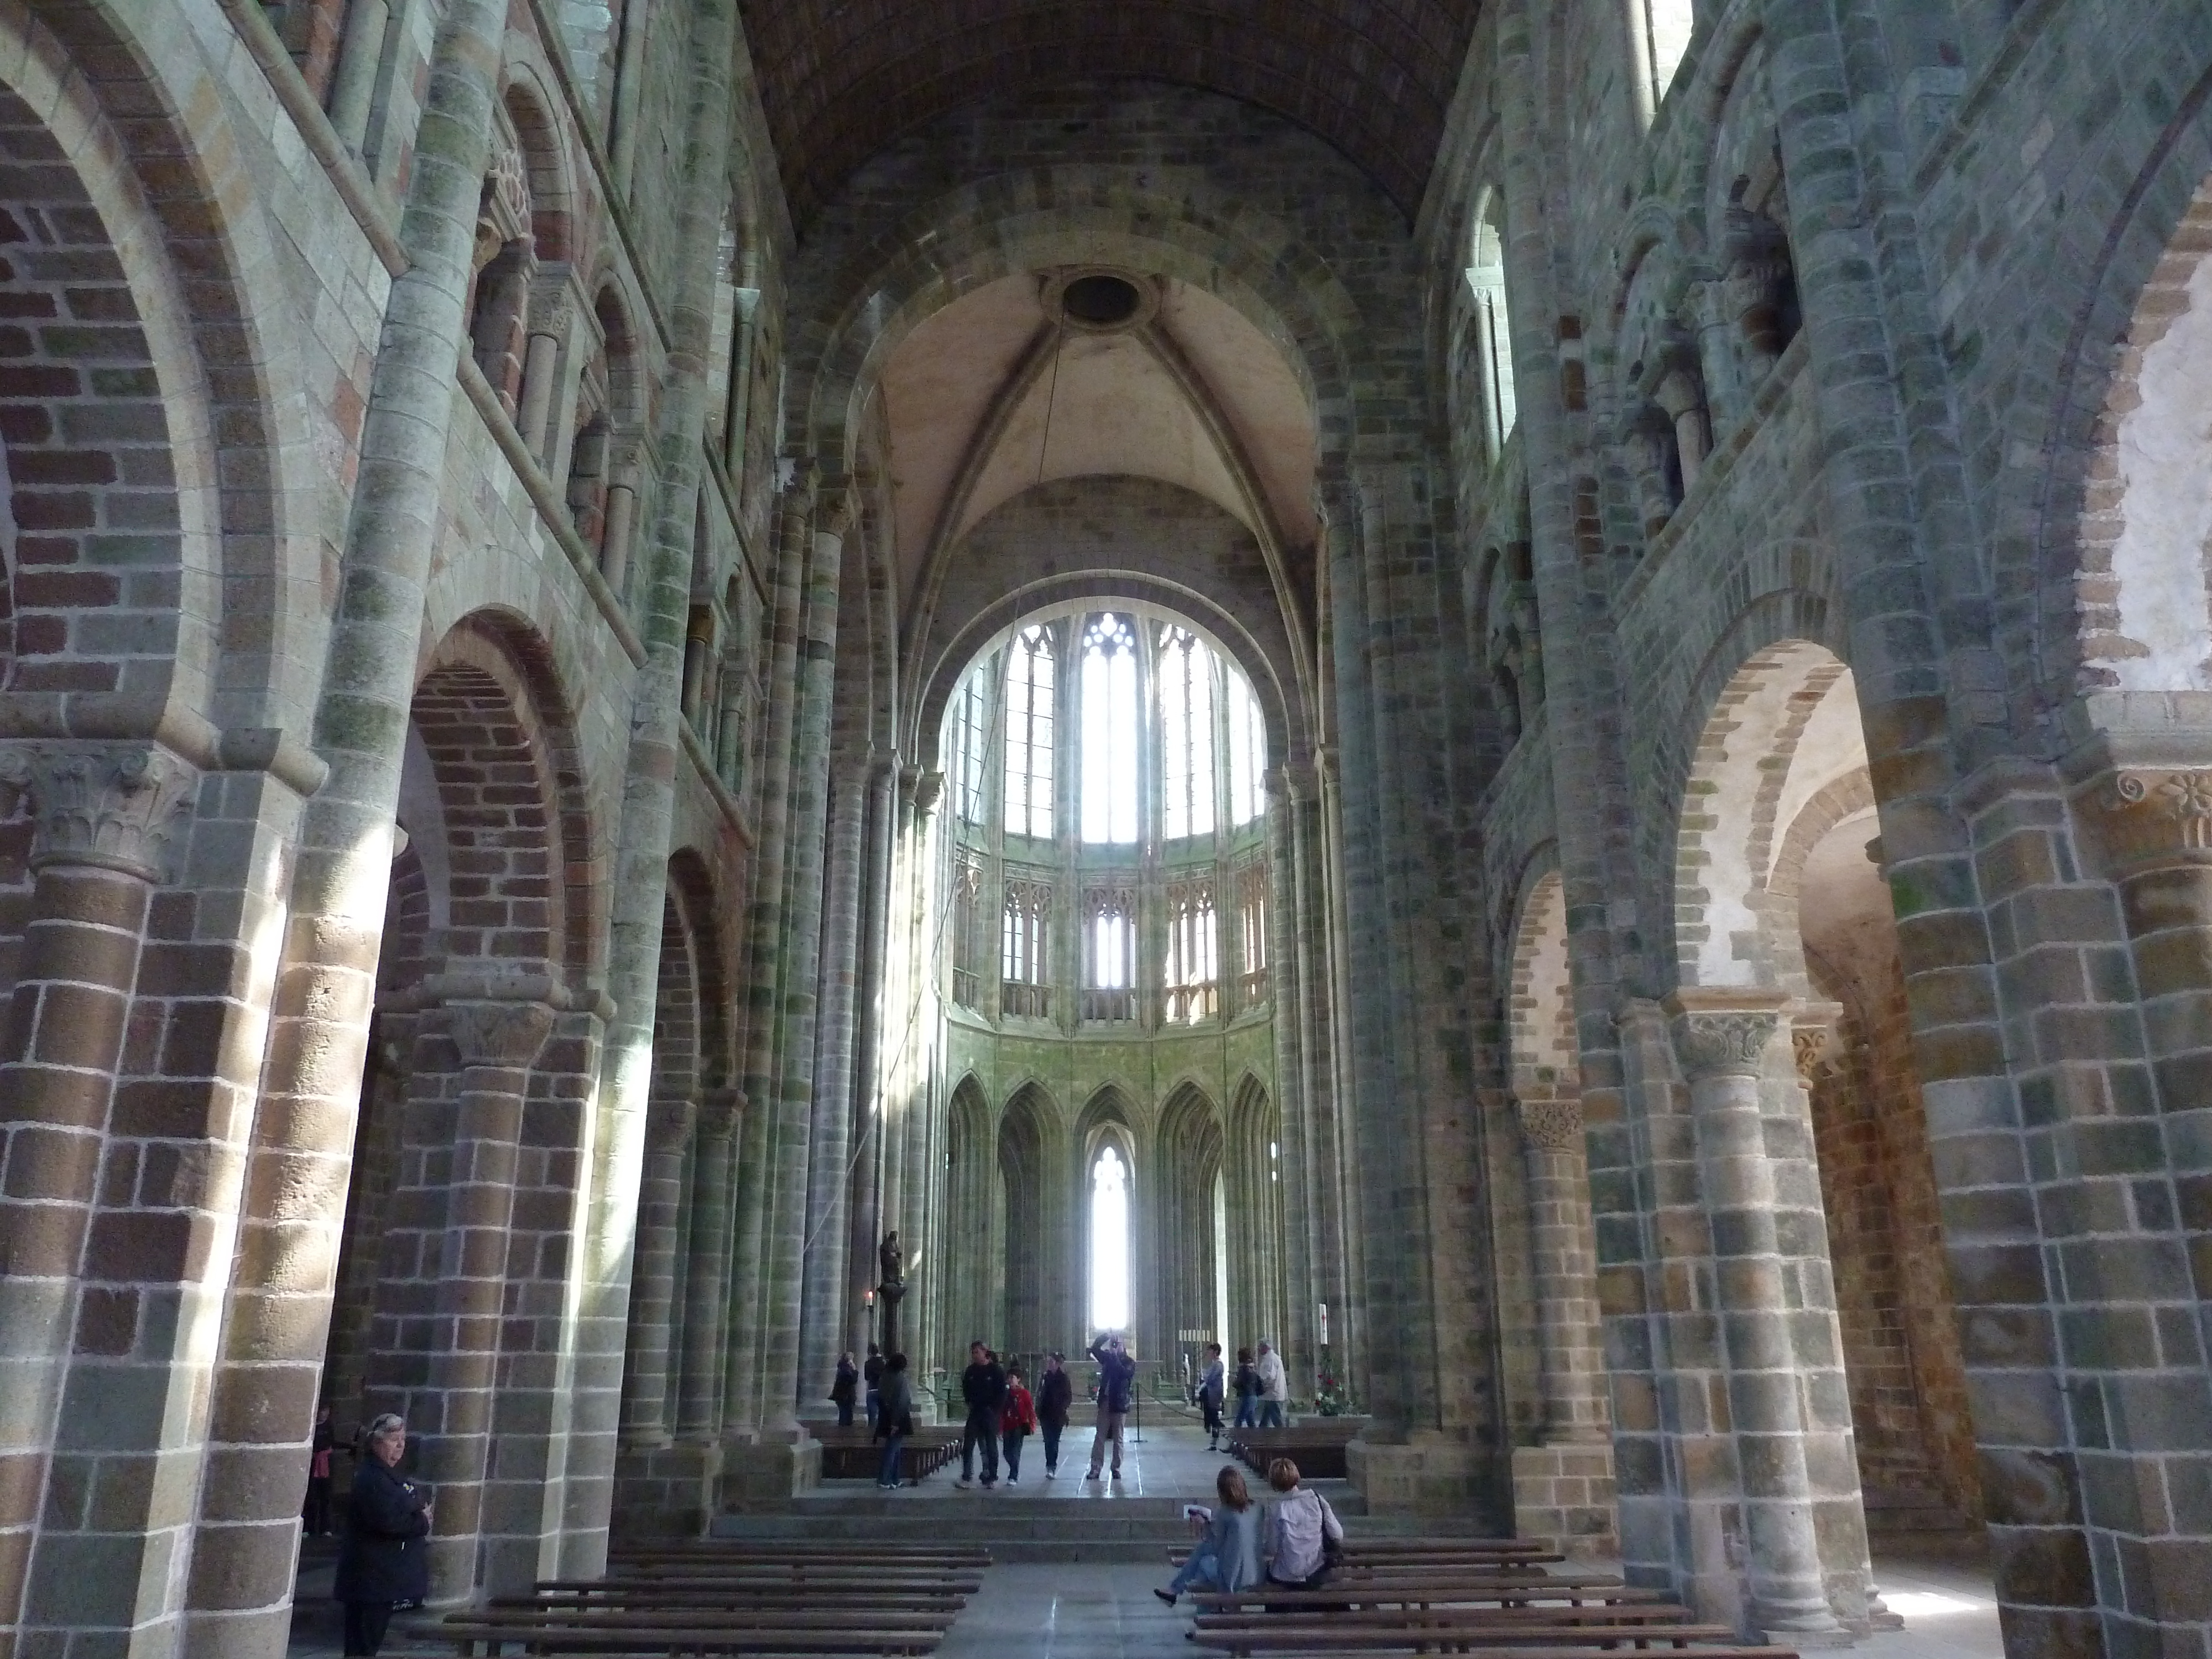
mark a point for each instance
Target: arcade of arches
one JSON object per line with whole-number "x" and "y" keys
{"x": 1517, "y": 694}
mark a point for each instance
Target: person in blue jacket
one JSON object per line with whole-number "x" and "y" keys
{"x": 385, "y": 1558}
{"x": 1117, "y": 1374}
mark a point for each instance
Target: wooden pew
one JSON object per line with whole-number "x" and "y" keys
{"x": 851, "y": 1454}
{"x": 1441, "y": 1589}
{"x": 644, "y": 1641}
{"x": 1443, "y": 1631}
{"x": 1315, "y": 1445}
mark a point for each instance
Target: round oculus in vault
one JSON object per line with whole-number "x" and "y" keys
{"x": 1100, "y": 301}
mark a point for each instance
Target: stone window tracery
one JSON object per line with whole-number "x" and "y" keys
{"x": 971, "y": 735}
{"x": 1187, "y": 734}
{"x": 1492, "y": 325}
{"x": 1110, "y": 734}
{"x": 967, "y": 947}
{"x": 1030, "y": 721}
{"x": 1248, "y": 754}
{"x": 1110, "y": 954}
{"x": 506, "y": 262}
{"x": 1252, "y": 986}
{"x": 1025, "y": 960}
{"x": 1191, "y": 976}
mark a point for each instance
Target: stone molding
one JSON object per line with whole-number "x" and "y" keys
{"x": 1723, "y": 1032}
{"x": 102, "y": 807}
{"x": 668, "y": 1122}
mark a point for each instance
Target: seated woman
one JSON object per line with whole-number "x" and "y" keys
{"x": 1228, "y": 1554}
{"x": 1304, "y": 1537}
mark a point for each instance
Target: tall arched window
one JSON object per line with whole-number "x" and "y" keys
{"x": 1108, "y": 688}
{"x": 1110, "y": 954}
{"x": 1667, "y": 24}
{"x": 1492, "y": 325}
{"x": 1191, "y": 977}
{"x": 970, "y": 734}
{"x": 1109, "y": 1241}
{"x": 1248, "y": 754}
{"x": 1030, "y": 681}
{"x": 1186, "y": 778}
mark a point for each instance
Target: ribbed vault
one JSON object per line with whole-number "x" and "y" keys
{"x": 842, "y": 77}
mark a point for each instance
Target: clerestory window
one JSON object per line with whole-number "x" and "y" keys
{"x": 1108, "y": 689}
{"x": 1030, "y": 680}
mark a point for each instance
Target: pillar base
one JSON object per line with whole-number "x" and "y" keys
{"x": 768, "y": 1473}
{"x": 666, "y": 1491}
{"x": 1563, "y": 1496}
{"x": 1427, "y": 1474}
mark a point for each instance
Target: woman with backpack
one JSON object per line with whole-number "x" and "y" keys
{"x": 1018, "y": 1420}
{"x": 1247, "y": 1390}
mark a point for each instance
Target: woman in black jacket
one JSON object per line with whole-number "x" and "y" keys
{"x": 385, "y": 1557}
{"x": 1055, "y": 1392}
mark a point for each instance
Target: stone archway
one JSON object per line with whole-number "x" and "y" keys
{"x": 1184, "y": 1221}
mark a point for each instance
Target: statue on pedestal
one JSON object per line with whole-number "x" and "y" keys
{"x": 891, "y": 1261}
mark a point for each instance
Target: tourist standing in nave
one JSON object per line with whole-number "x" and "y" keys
{"x": 871, "y": 1374}
{"x": 1213, "y": 1385}
{"x": 383, "y": 1561}
{"x": 894, "y": 1419}
{"x": 1017, "y": 1422}
{"x": 1275, "y": 1387}
{"x": 1228, "y": 1554}
{"x": 1118, "y": 1374}
{"x": 1247, "y": 1390}
{"x": 846, "y": 1388}
{"x": 1055, "y": 1395}
{"x": 983, "y": 1387}
{"x": 315, "y": 1516}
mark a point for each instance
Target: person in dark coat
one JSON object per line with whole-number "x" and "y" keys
{"x": 871, "y": 1374}
{"x": 1055, "y": 1394}
{"x": 843, "y": 1391}
{"x": 315, "y": 1514}
{"x": 385, "y": 1557}
{"x": 983, "y": 1386}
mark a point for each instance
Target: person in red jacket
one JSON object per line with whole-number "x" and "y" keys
{"x": 1018, "y": 1420}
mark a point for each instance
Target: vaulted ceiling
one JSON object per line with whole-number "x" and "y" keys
{"x": 841, "y": 78}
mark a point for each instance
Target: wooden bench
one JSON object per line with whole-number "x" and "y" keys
{"x": 1437, "y": 1590}
{"x": 853, "y": 1454}
{"x": 745, "y": 1550}
{"x": 740, "y": 1598}
{"x": 479, "y": 1635}
{"x": 1317, "y": 1446}
{"x": 1441, "y": 1631}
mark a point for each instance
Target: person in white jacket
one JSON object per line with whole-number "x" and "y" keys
{"x": 1304, "y": 1534}
{"x": 1275, "y": 1387}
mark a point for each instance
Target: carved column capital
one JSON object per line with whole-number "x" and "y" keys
{"x": 668, "y": 1121}
{"x": 1722, "y": 1033}
{"x": 834, "y": 510}
{"x": 1813, "y": 1038}
{"x": 721, "y": 1111}
{"x": 2150, "y": 817}
{"x": 504, "y": 1036}
{"x": 105, "y": 807}
{"x": 1550, "y": 1123}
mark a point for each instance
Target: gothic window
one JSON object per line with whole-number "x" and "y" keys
{"x": 1492, "y": 325}
{"x": 1248, "y": 754}
{"x": 1187, "y": 768}
{"x": 1191, "y": 977}
{"x": 1252, "y": 935}
{"x": 967, "y": 947}
{"x": 970, "y": 734}
{"x": 1029, "y": 680}
{"x": 1109, "y": 1241}
{"x": 1108, "y": 688}
{"x": 1110, "y": 954}
{"x": 1025, "y": 959}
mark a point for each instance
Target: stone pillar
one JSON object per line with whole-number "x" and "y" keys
{"x": 668, "y": 1130}
{"x": 1773, "y": 1312}
{"x": 101, "y": 819}
{"x": 865, "y": 1223}
{"x": 1287, "y": 1301}
{"x": 823, "y": 1265}
{"x": 705, "y": 1286}
{"x": 443, "y": 1288}
{"x": 1563, "y": 1486}
{"x": 764, "y": 973}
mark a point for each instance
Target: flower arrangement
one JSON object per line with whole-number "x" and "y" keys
{"x": 1328, "y": 1396}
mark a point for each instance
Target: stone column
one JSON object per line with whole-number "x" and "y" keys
{"x": 670, "y": 1122}
{"x": 764, "y": 970}
{"x": 446, "y": 1257}
{"x": 823, "y": 1265}
{"x": 1294, "y": 1328}
{"x": 705, "y": 1286}
{"x": 876, "y": 1007}
{"x": 1756, "y": 1211}
{"x": 1563, "y": 1486}
{"x": 810, "y": 790}
{"x": 101, "y": 819}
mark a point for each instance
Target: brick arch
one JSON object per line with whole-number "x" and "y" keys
{"x": 503, "y": 753}
{"x": 1540, "y": 998}
{"x": 698, "y": 904}
{"x": 678, "y": 1057}
{"x": 545, "y": 157}
{"x": 1834, "y": 803}
{"x": 1739, "y": 782}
